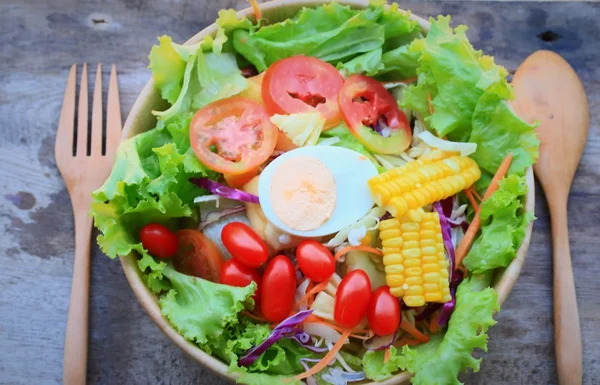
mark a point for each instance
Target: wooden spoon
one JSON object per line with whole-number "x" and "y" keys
{"x": 548, "y": 89}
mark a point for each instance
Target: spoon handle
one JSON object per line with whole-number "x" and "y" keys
{"x": 567, "y": 332}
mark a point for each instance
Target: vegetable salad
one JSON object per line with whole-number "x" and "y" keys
{"x": 325, "y": 199}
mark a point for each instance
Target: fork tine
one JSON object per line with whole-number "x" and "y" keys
{"x": 82, "y": 115}
{"x": 96, "y": 143}
{"x": 63, "y": 146}
{"x": 113, "y": 114}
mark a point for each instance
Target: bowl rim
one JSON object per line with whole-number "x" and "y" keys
{"x": 504, "y": 279}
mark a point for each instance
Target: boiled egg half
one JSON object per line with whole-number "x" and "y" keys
{"x": 315, "y": 191}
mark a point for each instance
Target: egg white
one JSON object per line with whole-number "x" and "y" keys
{"x": 351, "y": 171}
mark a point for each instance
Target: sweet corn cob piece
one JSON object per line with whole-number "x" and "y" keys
{"x": 413, "y": 255}
{"x": 424, "y": 181}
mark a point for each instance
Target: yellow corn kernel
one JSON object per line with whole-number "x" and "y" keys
{"x": 424, "y": 181}
{"x": 413, "y": 257}
{"x": 414, "y": 301}
{"x": 392, "y": 259}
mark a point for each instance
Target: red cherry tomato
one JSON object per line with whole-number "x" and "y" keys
{"x": 384, "y": 312}
{"x": 244, "y": 244}
{"x": 352, "y": 298}
{"x": 303, "y": 84}
{"x": 315, "y": 260}
{"x": 197, "y": 255}
{"x": 278, "y": 289}
{"x": 235, "y": 274}
{"x": 158, "y": 240}
{"x": 363, "y": 101}
{"x": 232, "y": 136}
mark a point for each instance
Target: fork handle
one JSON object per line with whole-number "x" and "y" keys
{"x": 76, "y": 340}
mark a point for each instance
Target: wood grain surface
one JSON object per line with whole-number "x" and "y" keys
{"x": 38, "y": 43}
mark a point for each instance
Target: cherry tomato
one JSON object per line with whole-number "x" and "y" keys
{"x": 235, "y": 274}
{"x": 352, "y": 298}
{"x": 158, "y": 240}
{"x": 363, "y": 102}
{"x": 384, "y": 312}
{"x": 232, "y": 136}
{"x": 315, "y": 260}
{"x": 303, "y": 84}
{"x": 197, "y": 255}
{"x": 244, "y": 244}
{"x": 278, "y": 289}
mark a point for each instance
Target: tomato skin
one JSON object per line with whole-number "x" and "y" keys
{"x": 236, "y": 274}
{"x": 315, "y": 260}
{"x": 376, "y": 102}
{"x": 314, "y": 84}
{"x": 384, "y": 312}
{"x": 197, "y": 256}
{"x": 238, "y": 181}
{"x": 244, "y": 244}
{"x": 352, "y": 298}
{"x": 233, "y": 135}
{"x": 278, "y": 289}
{"x": 158, "y": 240}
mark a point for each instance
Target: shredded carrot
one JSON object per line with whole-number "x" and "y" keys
{"x": 310, "y": 286}
{"x": 413, "y": 331}
{"x": 256, "y": 9}
{"x": 406, "y": 341}
{"x": 346, "y": 249}
{"x": 469, "y": 194}
{"x": 254, "y": 317}
{"x": 467, "y": 241}
{"x": 434, "y": 326}
{"x": 315, "y": 290}
{"x": 386, "y": 356}
{"x": 430, "y": 103}
{"x": 476, "y": 194}
{"x": 327, "y": 359}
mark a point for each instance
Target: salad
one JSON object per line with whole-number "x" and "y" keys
{"x": 325, "y": 199}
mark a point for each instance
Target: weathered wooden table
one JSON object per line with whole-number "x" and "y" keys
{"x": 38, "y": 43}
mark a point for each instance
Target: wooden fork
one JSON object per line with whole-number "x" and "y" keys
{"x": 84, "y": 169}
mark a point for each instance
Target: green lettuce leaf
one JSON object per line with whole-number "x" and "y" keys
{"x": 503, "y": 224}
{"x": 347, "y": 140}
{"x": 332, "y": 32}
{"x": 369, "y": 63}
{"x": 219, "y": 77}
{"x": 455, "y": 75}
{"x": 497, "y": 130}
{"x": 200, "y": 310}
{"x": 446, "y": 355}
{"x": 167, "y": 68}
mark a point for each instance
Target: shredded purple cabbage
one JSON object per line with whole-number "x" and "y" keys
{"x": 392, "y": 340}
{"x": 456, "y": 276}
{"x": 224, "y": 191}
{"x": 286, "y": 328}
{"x": 446, "y": 234}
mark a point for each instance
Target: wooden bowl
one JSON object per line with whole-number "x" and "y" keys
{"x": 140, "y": 119}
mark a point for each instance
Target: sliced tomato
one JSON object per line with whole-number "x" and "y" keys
{"x": 363, "y": 102}
{"x": 197, "y": 255}
{"x": 238, "y": 181}
{"x": 303, "y": 84}
{"x": 233, "y": 135}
